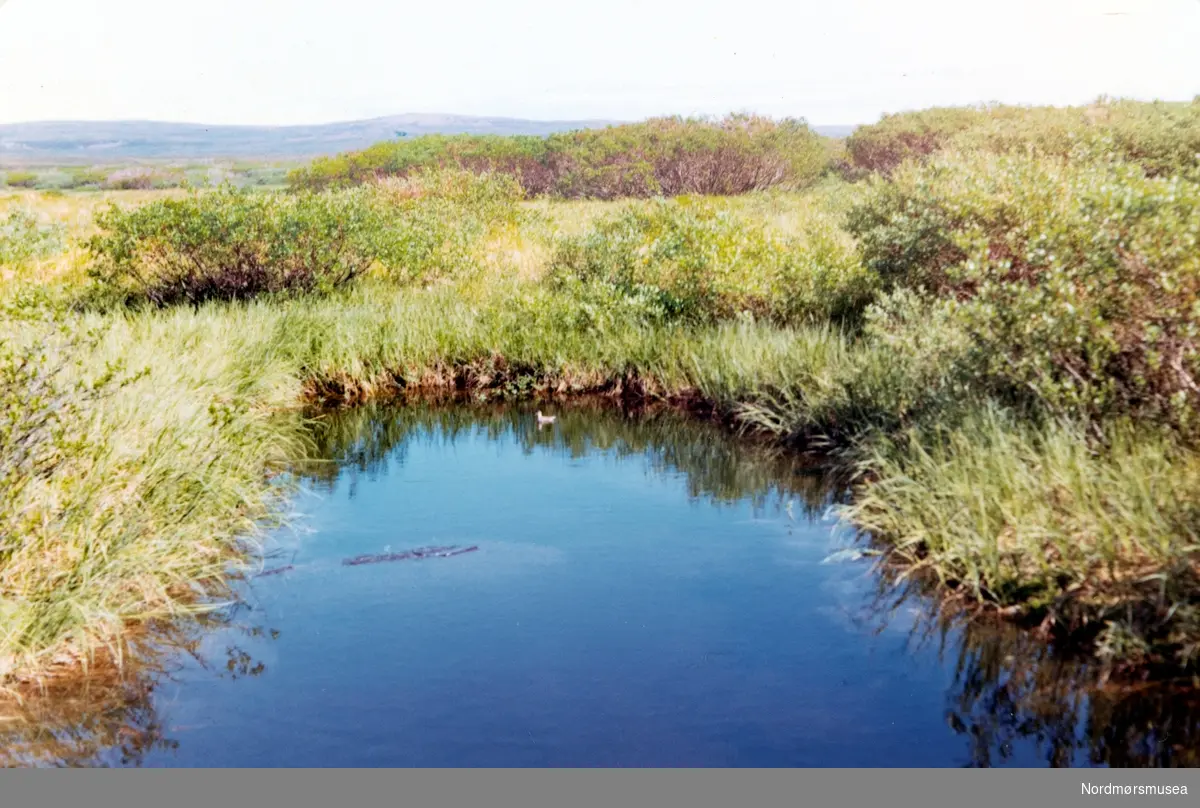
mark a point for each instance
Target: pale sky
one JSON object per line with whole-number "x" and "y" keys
{"x": 830, "y": 61}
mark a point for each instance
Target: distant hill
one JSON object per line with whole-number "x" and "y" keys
{"x": 835, "y": 130}
{"x": 101, "y": 141}
{"x": 109, "y": 141}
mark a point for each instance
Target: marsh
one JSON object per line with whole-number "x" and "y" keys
{"x": 646, "y": 591}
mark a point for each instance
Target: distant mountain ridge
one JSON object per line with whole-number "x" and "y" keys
{"x": 105, "y": 141}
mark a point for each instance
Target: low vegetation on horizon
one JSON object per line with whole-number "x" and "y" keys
{"x": 149, "y": 175}
{"x": 991, "y": 316}
{"x": 659, "y": 157}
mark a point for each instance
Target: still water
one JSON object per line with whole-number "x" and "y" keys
{"x": 644, "y": 592}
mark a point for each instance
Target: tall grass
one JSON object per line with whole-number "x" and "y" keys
{"x": 1041, "y": 520}
{"x": 137, "y": 502}
{"x": 1004, "y": 512}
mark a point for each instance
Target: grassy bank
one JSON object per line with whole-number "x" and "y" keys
{"x": 153, "y": 487}
{"x": 974, "y": 334}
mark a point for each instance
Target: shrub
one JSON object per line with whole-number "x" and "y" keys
{"x": 142, "y": 179}
{"x": 521, "y": 156}
{"x": 668, "y": 156}
{"x": 437, "y": 221}
{"x": 87, "y": 178}
{"x": 1078, "y": 284}
{"x": 232, "y": 244}
{"x": 266, "y": 176}
{"x": 883, "y": 146}
{"x": 21, "y": 179}
{"x": 693, "y": 261}
{"x": 22, "y": 239}
{"x": 130, "y": 179}
{"x": 675, "y": 156}
{"x": 228, "y": 244}
{"x": 1163, "y": 138}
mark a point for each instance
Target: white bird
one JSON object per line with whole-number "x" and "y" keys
{"x": 545, "y": 419}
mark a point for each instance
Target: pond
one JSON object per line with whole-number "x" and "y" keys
{"x": 610, "y": 591}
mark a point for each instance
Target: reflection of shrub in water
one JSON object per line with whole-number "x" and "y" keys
{"x": 111, "y": 717}
{"x": 1012, "y": 688}
{"x": 364, "y": 440}
{"x": 1005, "y": 694}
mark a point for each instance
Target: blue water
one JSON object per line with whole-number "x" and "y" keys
{"x": 646, "y": 594}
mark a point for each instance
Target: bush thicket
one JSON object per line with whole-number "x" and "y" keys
{"x": 690, "y": 260}
{"x": 233, "y": 244}
{"x": 666, "y": 156}
{"x": 20, "y": 179}
{"x": 1078, "y": 283}
{"x": 1163, "y": 138}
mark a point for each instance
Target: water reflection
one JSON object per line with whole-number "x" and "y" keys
{"x": 1010, "y": 695}
{"x": 367, "y": 440}
{"x": 113, "y": 718}
{"x": 1012, "y": 688}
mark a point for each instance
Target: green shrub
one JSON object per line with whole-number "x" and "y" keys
{"x": 668, "y": 156}
{"x": 521, "y": 156}
{"x": 266, "y": 176}
{"x": 143, "y": 179}
{"x": 129, "y": 179}
{"x": 232, "y": 244}
{"x": 21, "y": 179}
{"x": 437, "y": 221}
{"x": 1077, "y": 283}
{"x": 87, "y": 178}
{"x": 22, "y": 239}
{"x": 883, "y": 146}
{"x": 1163, "y": 138}
{"x": 693, "y": 261}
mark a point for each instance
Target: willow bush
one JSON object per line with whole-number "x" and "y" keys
{"x": 695, "y": 261}
{"x": 1163, "y": 138}
{"x": 1078, "y": 283}
{"x": 659, "y": 157}
{"x": 233, "y": 244}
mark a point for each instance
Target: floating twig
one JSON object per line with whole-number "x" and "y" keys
{"x": 275, "y": 571}
{"x": 409, "y": 555}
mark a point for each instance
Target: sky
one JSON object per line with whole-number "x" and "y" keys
{"x": 828, "y": 61}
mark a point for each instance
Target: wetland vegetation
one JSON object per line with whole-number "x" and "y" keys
{"x": 987, "y": 319}
{"x": 605, "y": 536}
